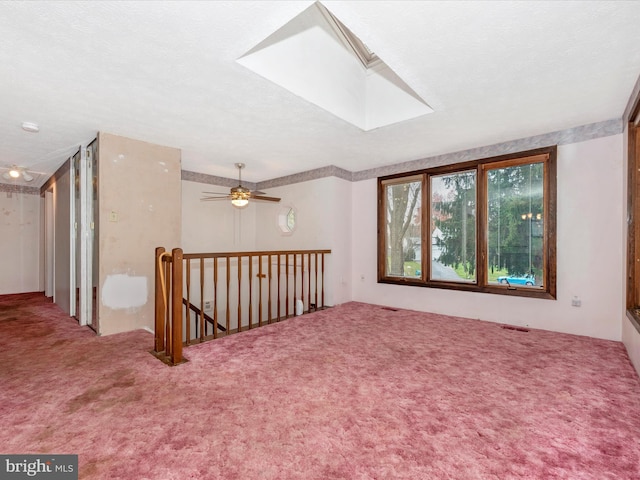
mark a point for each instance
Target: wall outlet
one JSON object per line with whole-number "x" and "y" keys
{"x": 576, "y": 302}
{"x": 208, "y": 306}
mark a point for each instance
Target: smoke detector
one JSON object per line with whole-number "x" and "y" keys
{"x": 30, "y": 127}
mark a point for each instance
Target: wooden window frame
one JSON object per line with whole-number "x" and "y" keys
{"x": 633, "y": 215}
{"x": 546, "y": 155}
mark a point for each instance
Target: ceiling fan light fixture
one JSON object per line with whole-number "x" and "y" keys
{"x": 239, "y": 195}
{"x": 14, "y": 173}
{"x": 239, "y": 202}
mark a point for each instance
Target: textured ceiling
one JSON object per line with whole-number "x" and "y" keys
{"x": 166, "y": 73}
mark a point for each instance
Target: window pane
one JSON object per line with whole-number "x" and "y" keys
{"x": 403, "y": 229}
{"x": 515, "y": 225}
{"x": 291, "y": 219}
{"x": 453, "y": 227}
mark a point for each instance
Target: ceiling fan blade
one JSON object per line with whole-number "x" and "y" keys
{"x": 217, "y": 193}
{"x": 264, "y": 199}
{"x": 209, "y": 199}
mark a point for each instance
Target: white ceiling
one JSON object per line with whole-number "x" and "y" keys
{"x": 166, "y": 73}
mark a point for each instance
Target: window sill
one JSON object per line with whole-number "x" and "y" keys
{"x": 492, "y": 289}
{"x": 633, "y": 315}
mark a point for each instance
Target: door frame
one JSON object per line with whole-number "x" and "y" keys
{"x": 49, "y": 244}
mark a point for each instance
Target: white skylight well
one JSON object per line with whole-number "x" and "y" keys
{"x": 350, "y": 40}
{"x": 319, "y": 59}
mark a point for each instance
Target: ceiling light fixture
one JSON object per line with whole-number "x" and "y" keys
{"x": 240, "y": 202}
{"x": 30, "y": 127}
{"x": 239, "y": 195}
{"x": 15, "y": 172}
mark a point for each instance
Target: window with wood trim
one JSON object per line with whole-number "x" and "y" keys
{"x": 633, "y": 215}
{"x": 485, "y": 226}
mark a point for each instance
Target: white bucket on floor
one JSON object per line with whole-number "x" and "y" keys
{"x": 299, "y": 307}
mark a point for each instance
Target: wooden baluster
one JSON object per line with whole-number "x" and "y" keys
{"x": 169, "y": 321}
{"x": 322, "y": 278}
{"x": 176, "y": 301}
{"x": 309, "y": 284}
{"x": 259, "y": 290}
{"x": 187, "y": 307}
{"x": 202, "y": 332}
{"x": 316, "y": 289}
{"x": 286, "y": 285}
{"x": 228, "y": 285}
{"x": 279, "y": 309}
{"x": 295, "y": 280}
{"x": 206, "y": 327}
{"x": 269, "y": 301}
{"x": 302, "y": 280}
{"x": 215, "y": 297}
{"x": 250, "y": 291}
{"x": 239, "y": 293}
{"x": 159, "y": 317}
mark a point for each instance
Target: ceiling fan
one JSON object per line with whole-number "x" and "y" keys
{"x": 14, "y": 172}
{"x": 239, "y": 195}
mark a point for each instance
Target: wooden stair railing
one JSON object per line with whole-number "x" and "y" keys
{"x": 197, "y": 311}
{"x": 168, "y": 303}
{"x": 269, "y": 285}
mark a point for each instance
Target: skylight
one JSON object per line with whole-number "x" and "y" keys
{"x": 364, "y": 54}
{"x": 316, "y": 57}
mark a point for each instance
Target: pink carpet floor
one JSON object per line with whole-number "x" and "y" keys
{"x": 353, "y": 392}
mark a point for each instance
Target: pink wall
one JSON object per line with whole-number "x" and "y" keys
{"x": 590, "y": 259}
{"x": 323, "y": 220}
{"x": 215, "y": 226}
{"x": 20, "y": 226}
{"x": 140, "y": 196}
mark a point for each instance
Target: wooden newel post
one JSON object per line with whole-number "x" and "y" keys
{"x": 161, "y": 308}
{"x": 176, "y": 306}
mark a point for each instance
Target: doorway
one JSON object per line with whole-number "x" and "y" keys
{"x": 85, "y": 195}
